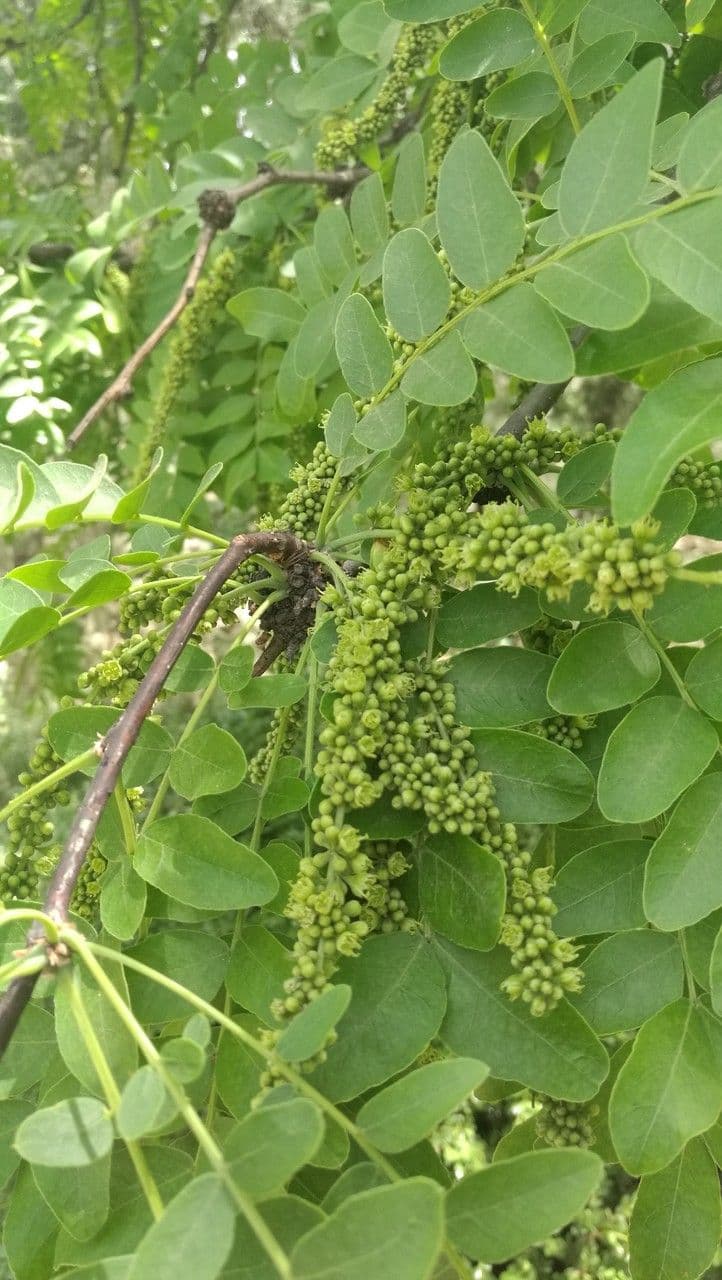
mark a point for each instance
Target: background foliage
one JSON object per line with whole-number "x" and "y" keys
{"x": 396, "y": 949}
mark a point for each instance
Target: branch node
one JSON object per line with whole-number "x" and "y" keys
{"x": 216, "y": 208}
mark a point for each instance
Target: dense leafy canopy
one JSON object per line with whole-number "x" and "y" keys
{"x": 396, "y": 947}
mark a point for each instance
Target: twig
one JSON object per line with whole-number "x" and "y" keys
{"x": 120, "y": 386}
{"x": 129, "y": 110}
{"x": 541, "y": 398}
{"x": 279, "y": 546}
{"x": 217, "y": 209}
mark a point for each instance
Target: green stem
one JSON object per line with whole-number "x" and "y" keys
{"x": 364, "y": 535}
{"x": 206, "y": 1142}
{"x": 326, "y": 510}
{"x": 188, "y": 530}
{"x": 110, "y": 1089}
{"x": 691, "y": 988}
{"x": 665, "y": 659}
{"x": 31, "y": 913}
{"x": 711, "y": 578}
{"x": 22, "y": 966}
{"x": 45, "y": 784}
{"x": 554, "y": 67}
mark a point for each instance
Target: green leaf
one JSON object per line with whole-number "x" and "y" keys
{"x": 519, "y": 333}
{"x": 682, "y": 880}
{"x": 704, "y": 678}
{"x": 674, "y": 419}
{"x": 265, "y": 1150}
{"x": 175, "y": 1245}
{"x": 130, "y": 1216}
{"x": 535, "y": 780}
{"x": 26, "y": 1057}
{"x": 502, "y": 687}
{"x": 408, "y": 195}
{"x": 691, "y": 265}
{"x": 24, "y": 618}
{"x": 396, "y": 1231}
{"x": 442, "y": 375}
{"x": 191, "y": 672}
{"x": 628, "y": 978}
{"x": 123, "y": 897}
{"x": 340, "y": 424}
{"x": 646, "y": 19}
{"x": 689, "y": 610}
{"x": 603, "y": 666}
{"x": 21, "y": 498}
{"x": 193, "y": 860}
{"x": 75, "y": 1132}
{"x": 369, "y": 218}
{"x": 259, "y": 966}
{"x": 426, "y": 10}
{"x": 12, "y": 1112}
{"x": 481, "y": 225}
{"x": 396, "y": 1008}
{"x": 470, "y": 618}
{"x": 269, "y": 691}
{"x": 659, "y": 748}
{"x": 668, "y": 1089}
{"x": 333, "y": 242}
{"x": 592, "y": 68}
{"x": 675, "y": 1225}
{"x": 270, "y": 314}
{"x": 314, "y": 342}
{"x": 208, "y": 762}
{"x": 382, "y": 425}
{"x": 700, "y": 158}
{"x": 497, "y": 1212}
{"x": 416, "y": 288}
{"x": 77, "y": 729}
{"x": 584, "y": 475}
{"x": 238, "y": 1069}
{"x": 493, "y": 42}
{"x": 363, "y": 350}
{"x": 558, "y": 1054}
{"x": 601, "y": 286}
{"x": 116, "y": 1042}
{"x": 191, "y": 957}
{"x": 600, "y": 890}
{"x": 605, "y": 173}
{"x": 462, "y": 888}
{"x": 142, "y": 1105}
{"x": 29, "y": 1231}
{"x": 667, "y": 326}
{"x": 307, "y": 1033}
{"x": 235, "y": 667}
{"x": 337, "y": 81}
{"x": 79, "y": 1197}
{"x": 525, "y": 97}
{"x": 405, "y": 1112}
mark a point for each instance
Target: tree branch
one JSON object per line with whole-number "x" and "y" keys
{"x": 217, "y": 210}
{"x": 542, "y": 397}
{"x": 117, "y": 743}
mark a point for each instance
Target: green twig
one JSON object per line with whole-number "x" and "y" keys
{"x": 110, "y": 1088}
{"x": 206, "y": 1142}
{"x": 50, "y": 780}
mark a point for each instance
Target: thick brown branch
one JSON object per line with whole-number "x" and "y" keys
{"x": 119, "y": 740}
{"x": 267, "y": 176}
